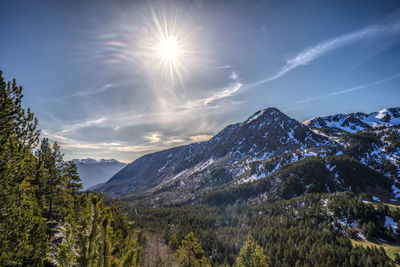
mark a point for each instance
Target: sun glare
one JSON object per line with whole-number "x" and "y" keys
{"x": 168, "y": 49}
{"x": 166, "y": 43}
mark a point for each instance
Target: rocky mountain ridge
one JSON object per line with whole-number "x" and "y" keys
{"x": 354, "y": 122}
{"x": 268, "y": 132}
{"x": 256, "y": 149}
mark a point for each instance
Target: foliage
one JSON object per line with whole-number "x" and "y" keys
{"x": 22, "y": 229}
{"x": 190, "y": 252}
{"x": 251, "y": 254}
{"x": 99, "y": 236}
{"x": 302, "y": 231}
{"x": 309, "y": 175}
{"x": 38, "y": 190}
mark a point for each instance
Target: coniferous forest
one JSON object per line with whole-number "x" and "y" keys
{"x": 43, "y": 212}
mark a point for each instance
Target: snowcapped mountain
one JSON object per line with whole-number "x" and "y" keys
{"x": 355, "y": 122}
{"x": 267, "y": 133}
{"x": 93, "y": 171}
{"x": 270, "y": 156}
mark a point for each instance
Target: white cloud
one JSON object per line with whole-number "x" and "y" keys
{"x": 349, "y": 90}
{"x": 223, "y": 67}
{"x": 84, "y": 124}
{"x": 226, "y": 92}
{"x": 98, "y": 90}
{"x": 309, "y": 54}
{"x": 365, "y": 85}
{"x": 153, "y": 138}
{"x": 233, "y": 76}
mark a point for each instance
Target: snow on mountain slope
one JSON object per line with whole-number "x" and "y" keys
{"x": 373, "y": 139}
{"x": 267, "y": 133}
{"x": 264, "y": 146}
{"x": 355, "y": 122}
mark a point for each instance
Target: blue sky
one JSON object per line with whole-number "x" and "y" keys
{"x": 92, "y": 74}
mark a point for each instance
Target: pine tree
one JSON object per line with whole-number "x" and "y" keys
{"x": 190, "y": 252}
{"x": 99, "y": 236}
{"x": 251, "y": 254}
{"x": 39, "y": 187}
{"x": 23, "y": 232}
{"x": 174, "y": 242}
{"x": 55, "y": 180}
{"x": 73, "y": 181}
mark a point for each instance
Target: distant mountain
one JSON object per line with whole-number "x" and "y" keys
{"x": 355, "y": 122}
{"x": 93, "y": 172}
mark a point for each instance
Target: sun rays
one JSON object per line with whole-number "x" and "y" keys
{"x": 169, "y": 47}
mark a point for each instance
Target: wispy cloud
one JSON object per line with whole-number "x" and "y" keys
{"x": 153, "y": 138}
{"x": 150, "y": 143}
{"x": 84, "y": 124}
{"x": 227, "y": 91}
{"x": 390, "y": 27}
{"x": 349, "y": 90}
{"x": 98, "y": 90}
{"x": 223, "y": 67}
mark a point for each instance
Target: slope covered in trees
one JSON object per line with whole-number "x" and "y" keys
{"x": 310, "y": 230}
{"x": 42, "y": 212}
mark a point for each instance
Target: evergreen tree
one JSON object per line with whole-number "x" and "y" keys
{"x": 35, "y": 188}
{"x": 94, "y": 238}
{"x": 23, "y": 239}
{"x": 251, "y": 254}
{"x": 73, "y": 181}
{"x": 190, "y": 252}
{"x": 58, "y": 182}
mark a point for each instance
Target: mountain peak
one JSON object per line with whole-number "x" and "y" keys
{"x": 266, "y": 133}
{"x": 354, "y": 122}
{"x": 268, "y": 112}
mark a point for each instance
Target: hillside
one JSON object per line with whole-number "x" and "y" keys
{"x": 262, "y": 149}
{"x": 266, "y": 134}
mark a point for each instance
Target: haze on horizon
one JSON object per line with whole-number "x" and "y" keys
{"x": 119, "y": 79}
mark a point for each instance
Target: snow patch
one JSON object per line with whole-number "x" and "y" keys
{"x": 392, "y": 223}
{"x": 376, "y": 199}
{"x": 255, "y": 116}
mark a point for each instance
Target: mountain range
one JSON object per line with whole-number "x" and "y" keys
{"x": 93, "y": 172}
{"x": 271, "y": 156}
{"x": 355, "y": 122}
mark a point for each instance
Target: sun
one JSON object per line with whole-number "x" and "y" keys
{"x": 169, "y": 49}
{"x": 171, "y": 54}
{"x": 170, "y": 45}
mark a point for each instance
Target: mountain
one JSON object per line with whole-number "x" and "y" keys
{"x": 274, "y": 155}
{"x": 355, "y": 122}
{"x": 93, "y": 172}
{"x": 296, "y": 187}
{"x": 267, "y": 133}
